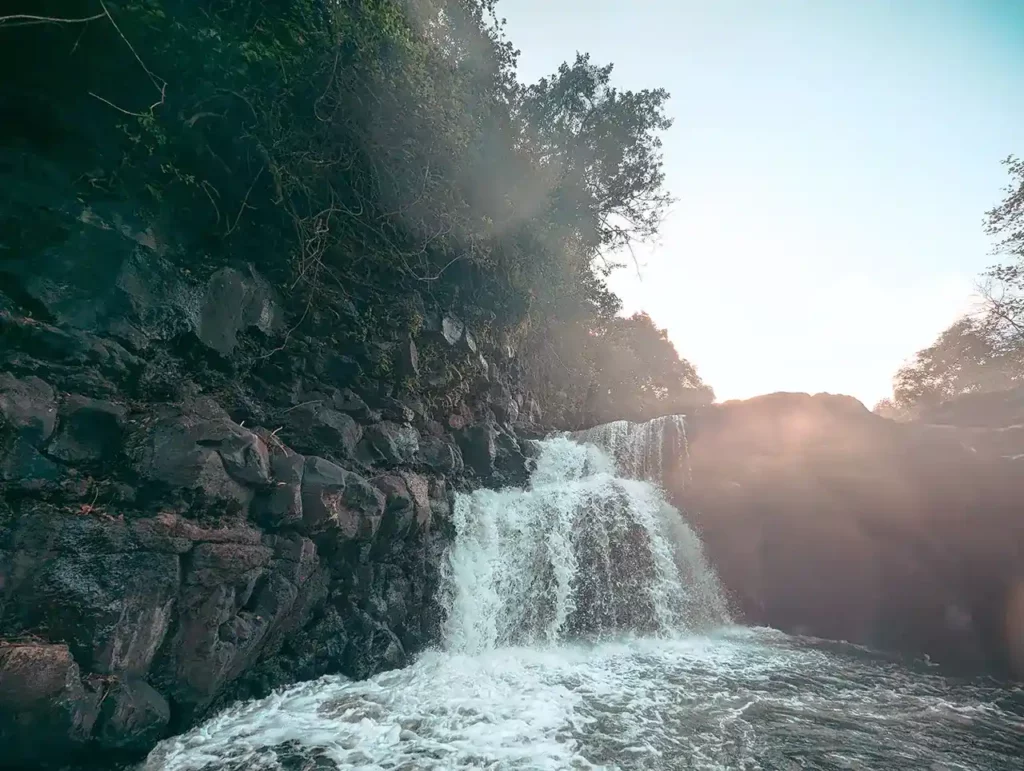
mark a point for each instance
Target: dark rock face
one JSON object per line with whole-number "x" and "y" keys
{"x": 825, "y": 519}
{"x": 90, "y": 431}
{"x": 42, "y": 694}
{"x": 201, "y": 500}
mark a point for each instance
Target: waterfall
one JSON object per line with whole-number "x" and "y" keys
{"x": 642, "y": 450}
{"x": 590, "y": 548}
{"x": 591, "y": 552}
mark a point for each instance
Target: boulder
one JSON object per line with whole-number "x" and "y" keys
{"x": 113, "y": 610}
{"x": 372, "y": 646}
{"x": 90, "y": 430}
{"x": 348, "y": 401}
{"x": 216, "y": 635}
{"x": 244, "y": 453}
{"x": 441, "y": 455}
{"x": 282, "y": 505}
{"x": 511, "y": 464}
{"x": 29, "y": 407}
{"x": 452, "y": 330}
{"x": 396, "y": 410}
{"x": 502, "y": 403}
{"x": 407, "y": 502}
{"x": 233, "y": 302}
{"x": 315, "y": 427}
{"x": 133, "y": 716}
{"x": 45, "y": 712}
{"x": 338, "y": 501}
{"x": 479, "y": 447}
{"x": 27, "y": 470}
{"x": 391, "y": 444}
{"x": 335, "y": 368}
{"x": 408, "y": 359}
{"x": 215, "y": 459}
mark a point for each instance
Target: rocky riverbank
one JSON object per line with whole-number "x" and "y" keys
{"x": 201, "y": 501}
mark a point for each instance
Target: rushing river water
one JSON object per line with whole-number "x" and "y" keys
{"x": 586, "y": 630}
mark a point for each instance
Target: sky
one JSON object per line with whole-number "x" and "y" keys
{"x": 832, "y": 161}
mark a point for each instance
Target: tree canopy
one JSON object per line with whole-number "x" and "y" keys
{"x": 375, "y": 155}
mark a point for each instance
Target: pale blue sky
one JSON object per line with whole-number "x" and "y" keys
{"x": 832, "y": 160}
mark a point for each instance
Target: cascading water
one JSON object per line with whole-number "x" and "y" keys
{"x": 641, "y": 450}
{"x": 581, "y": 552}
{"x": 585, "y": 629}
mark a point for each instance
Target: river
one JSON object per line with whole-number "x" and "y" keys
{"x": 585, "y": 629}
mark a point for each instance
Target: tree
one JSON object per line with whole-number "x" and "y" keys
{"x": 378, "y": 158}
{"x": 985, "y": 351}
{"x": 965, "y": 359}
{"x": 1003, "y": 284}
{"x": 639, "y": 375}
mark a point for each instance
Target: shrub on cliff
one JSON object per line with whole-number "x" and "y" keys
{"x": 375, "y": 154}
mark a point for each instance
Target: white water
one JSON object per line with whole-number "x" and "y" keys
{"x": 585, "y": 630}
{"x": 581, "y": 552}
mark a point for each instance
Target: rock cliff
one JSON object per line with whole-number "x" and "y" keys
{"x": 201, "y": 498}
{"x": 825, "y": 519}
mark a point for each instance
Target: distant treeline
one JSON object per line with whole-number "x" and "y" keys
{"x": 983, "y": 351}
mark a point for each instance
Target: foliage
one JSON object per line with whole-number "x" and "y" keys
{"x": 964, "y": 359}
{"x": 639, "y": 374}
{"x": 983, "y": 352}
{"x": 379, "y": 155}
{"x": 1004, "y": 284}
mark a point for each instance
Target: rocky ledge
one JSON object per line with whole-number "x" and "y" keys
{"x": 199, "y": 503}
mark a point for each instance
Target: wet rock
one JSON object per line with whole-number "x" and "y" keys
{"x": 408, "y": 359}
{"x": 45, "y": 712}
{"x": 133, "y": 716}
{"x": 350, "y": 402}
{"x": 452, "y": 330}
{"x": 315, "y": 427}
{"x": 340, "y": 501}
{"x": 232, "y": 303}
{"x": 511, "y": 464}
{"x": 282, "y": 506}
{"x": 396, "y": 410}
{"x": 391, "y": 444}
{"x": 27, "y": 470}
{"x": 113, "y": 610}
{"x": 90, "y": 430}
{"x": 479, "y": 447}
{"x": 408, "y": 502}
{"x": 182, "y": 452}
{"x": 29, "y": 407}
{"x": 372, "y": 647}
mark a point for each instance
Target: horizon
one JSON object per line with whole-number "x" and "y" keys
{"x": 831, "y": 165}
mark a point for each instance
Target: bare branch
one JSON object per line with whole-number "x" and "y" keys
{"x": 23, "y": 19}
{"x": 245, "y": 201}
